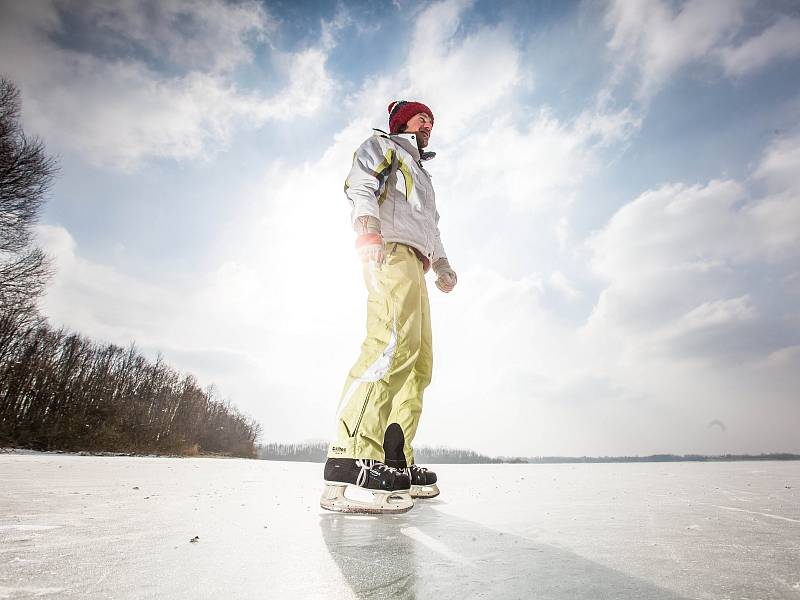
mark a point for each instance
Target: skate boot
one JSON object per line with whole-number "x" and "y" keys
{"x": 423, "y": 482}
{"x": 383, "y": 490}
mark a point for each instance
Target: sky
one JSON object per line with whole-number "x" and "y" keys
{"x": 618, "y": 184}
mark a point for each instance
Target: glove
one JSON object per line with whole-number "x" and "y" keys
{"x": 370, "y": 242}
{"x": 445, "y": 276}
{"x": 370, "y": 248}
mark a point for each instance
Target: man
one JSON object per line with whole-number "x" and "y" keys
{"x": 394, "y": 215}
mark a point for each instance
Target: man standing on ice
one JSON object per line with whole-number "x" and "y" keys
{"x": 395, "y": 218}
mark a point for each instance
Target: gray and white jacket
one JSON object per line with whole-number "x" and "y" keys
{"x": 387, "y": 181}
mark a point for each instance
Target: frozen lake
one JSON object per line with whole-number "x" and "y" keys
{"x": 120, "y": 527}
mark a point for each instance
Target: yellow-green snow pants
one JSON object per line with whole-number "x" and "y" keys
{"x": 387, "y": 382}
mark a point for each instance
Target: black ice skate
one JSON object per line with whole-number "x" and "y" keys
{"x": 423, "y": 482}
{"x": 385, "y": 489}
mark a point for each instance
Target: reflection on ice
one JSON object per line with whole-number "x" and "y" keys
{"x": 429, "y": 554}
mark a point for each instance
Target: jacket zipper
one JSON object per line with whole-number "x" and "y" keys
{"x": 363, "y": 408}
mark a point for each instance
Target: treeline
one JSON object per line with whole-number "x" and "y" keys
{"x": 313, "y": 451}
{"x": 316, "y": 451}
{"x": 444, "y": 455}
{"x": 60, "y": 390}
{"x": 662, "y": 458}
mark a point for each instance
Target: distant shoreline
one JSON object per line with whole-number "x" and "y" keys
{"x": 457, "y": 457}
{"x": 22, "y": 451}
{"x": 316, "y": 451}
{"x": 664, "y": 458}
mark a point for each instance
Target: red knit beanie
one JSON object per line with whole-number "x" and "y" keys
{"x": 400, "y": 111}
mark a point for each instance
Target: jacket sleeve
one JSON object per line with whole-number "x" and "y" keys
{"x": 371, "y": 166}
{"x": 438, "y": 247}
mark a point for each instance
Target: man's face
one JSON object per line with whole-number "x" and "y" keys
{"x": 422, "y": 125}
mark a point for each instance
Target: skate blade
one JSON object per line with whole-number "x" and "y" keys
{"x": 424, "y": 491}
{"x": 381, "y": 503}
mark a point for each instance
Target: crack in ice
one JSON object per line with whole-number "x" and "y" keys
{"x": 752, "y": 512}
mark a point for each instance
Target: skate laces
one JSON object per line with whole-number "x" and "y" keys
{"x": 418, "y": 475}
{"x": 366, "y": 464}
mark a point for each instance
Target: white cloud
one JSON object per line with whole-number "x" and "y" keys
{"x": 656, "y": 39}
{"x": 559, "y": 282}
{"x": 534, "y": 168}
{"x": 693, "y": 321}
{"x": 717, "y": 313}
{"x": 562, "y": 233}
{"x": 778, "y": 215}
{"x": 780, "y": 40}
{"x": 778, "y": 168}
{"x": 670, "y": 228}
{"x": 94, "y": 296}
{"x": 676, "y": 258}
{"x": 309, "y": 88}
{"x": 783, "y": 358}
{"x": 464, "y": 75}
{"x": 191, "y": 34}
{"x": 139, "y": 117}
{"x": 120, "y": 111}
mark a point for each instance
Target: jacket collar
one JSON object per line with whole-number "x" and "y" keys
{"x": 408, "y": 141}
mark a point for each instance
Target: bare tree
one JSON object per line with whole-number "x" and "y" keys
{"x": 26, "y": 173}
{"x": 60, "y": 390}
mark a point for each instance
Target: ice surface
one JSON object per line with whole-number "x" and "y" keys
{"x": 122, "y": 527}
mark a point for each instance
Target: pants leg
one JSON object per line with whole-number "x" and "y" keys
{"x": 388, "y": 354}
{"x": 407, "y": 403}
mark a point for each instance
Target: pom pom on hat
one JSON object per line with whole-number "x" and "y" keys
{"x": 400, "y": 111}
